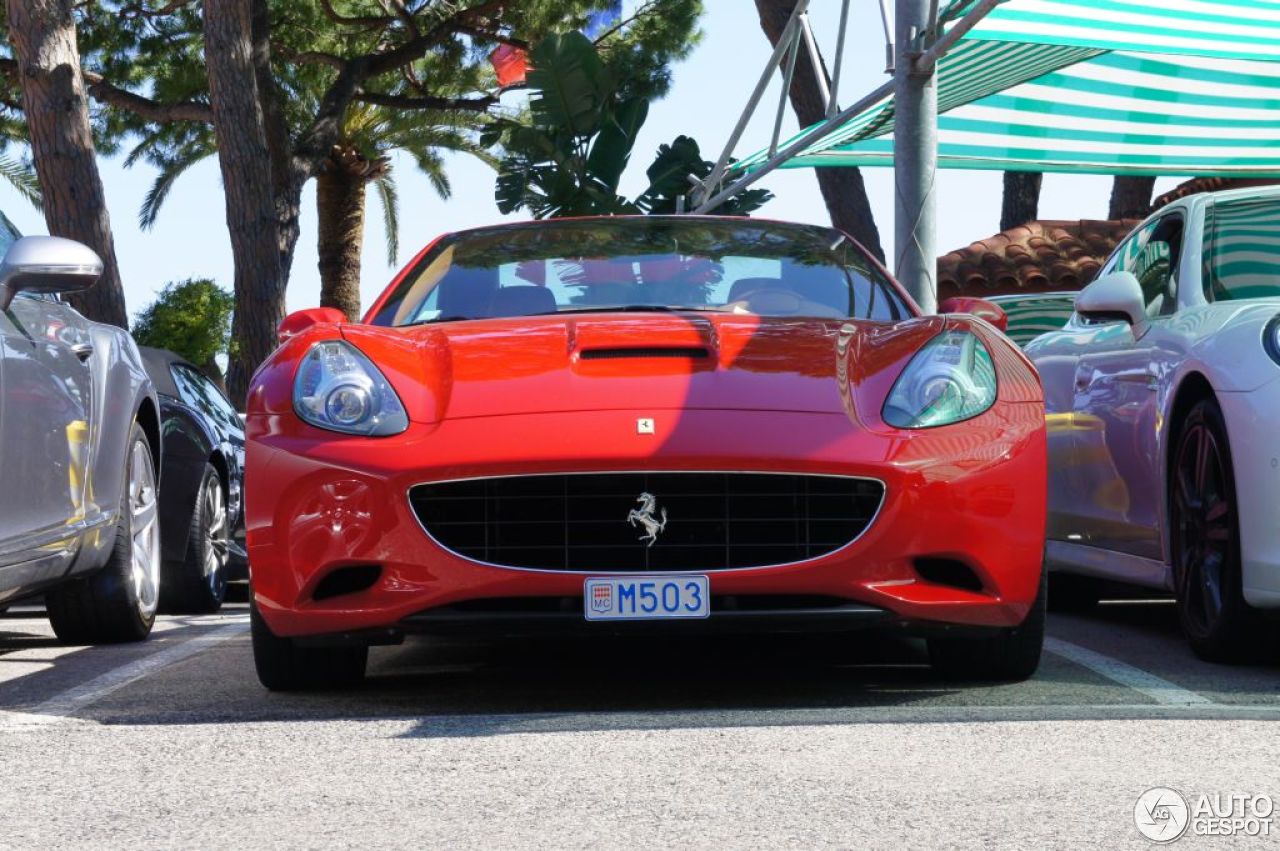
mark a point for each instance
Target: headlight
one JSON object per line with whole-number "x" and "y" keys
{"x": 951, "y": 379}
{"x": 1271, "y": 338}
{"x": 338, "y": 388}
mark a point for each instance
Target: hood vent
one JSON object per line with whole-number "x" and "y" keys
{"x": 688, "y": 352}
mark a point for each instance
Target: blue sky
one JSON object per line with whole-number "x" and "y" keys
{"x": 710, "y": 89}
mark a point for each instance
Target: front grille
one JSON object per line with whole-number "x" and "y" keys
{"x": 595, "y": 522}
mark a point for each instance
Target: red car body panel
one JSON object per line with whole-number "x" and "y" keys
{"x": 499, "y": 397}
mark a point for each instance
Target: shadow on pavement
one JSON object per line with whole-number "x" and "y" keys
{"x": 464, "y": 687}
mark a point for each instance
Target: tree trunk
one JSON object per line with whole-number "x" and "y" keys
{"x": 1021, "y": 198}
{"x": 287, "y": 177}
{"x": 340, "y": 194}
{"x": 842, "y": 188}
{"x": 54, "y": 102}
{"x": 248, "y": 182}
{"x": 1131, "y": 197}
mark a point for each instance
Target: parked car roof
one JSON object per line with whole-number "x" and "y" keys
{"x": 157, "y": 363}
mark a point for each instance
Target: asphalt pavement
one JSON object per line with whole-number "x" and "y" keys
{"x": 785, "y": 742}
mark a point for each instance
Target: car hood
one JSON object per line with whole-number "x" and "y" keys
{"x": 649, "y": 362}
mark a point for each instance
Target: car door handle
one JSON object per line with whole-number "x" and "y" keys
{"x": 84, "y": 351}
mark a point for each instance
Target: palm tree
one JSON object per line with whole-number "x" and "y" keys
{"x": 361, "y": 156}
{"x": 14, "y": 170}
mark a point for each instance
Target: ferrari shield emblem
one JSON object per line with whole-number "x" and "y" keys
{"x": 602, "y": 598}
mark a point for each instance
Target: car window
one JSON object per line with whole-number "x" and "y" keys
{"x": 1244, "y": 261}
{"x": 1033, "y": 315}
{"x": 1152, "y": 255}
{"x": 199, "y": 392}
{"x": 8, "y": 234}
{"x": 726, "y": 265}
{"x": 219, "y": 401}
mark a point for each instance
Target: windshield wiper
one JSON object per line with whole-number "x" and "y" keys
{"x": 631, "y": 308}
{"x": 615, "y": 308}
{"x": 432, "y": 321}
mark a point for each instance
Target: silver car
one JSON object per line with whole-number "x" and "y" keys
{"x": 79, "y": 451}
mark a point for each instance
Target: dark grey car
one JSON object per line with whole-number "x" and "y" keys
{"x": 201, "y": 516}
{"x": 79, "y": 451}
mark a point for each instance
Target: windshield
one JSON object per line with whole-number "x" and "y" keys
{"x": 8, "y": 234}
{"x": 639, "y": 264}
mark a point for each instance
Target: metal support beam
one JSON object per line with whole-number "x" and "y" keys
{"x": 814, "y": 135}
{"x": 788, "y": 39}
{"x": 819, "y": 73}
{"x": 915, "y": 157}
{"x": 834, "y": 106}
{"x": 788, "y": 75}
{"x": 929, "y": 58}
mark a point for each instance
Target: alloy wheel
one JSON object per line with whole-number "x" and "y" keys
{"x": 1203, "y": 526}
{"x": 218, "y": 532}
{"x": 144, "y": 530}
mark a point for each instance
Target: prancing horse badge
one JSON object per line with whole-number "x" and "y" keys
{"x": 644, "y": 425}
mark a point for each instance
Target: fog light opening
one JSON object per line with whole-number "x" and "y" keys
{"x": 347, "y": 580}
{"x": 947, "y": 571}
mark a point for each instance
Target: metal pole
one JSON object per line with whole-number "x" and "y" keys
{"x": 717, "y": 172}
{"x": 938, "y": 49}
{"x": 812, "y": 136}
{"x": 819, "y": 73}
{"x": 834, "y": 106}
{"x": 787, "y": 76}
{"x": 915, "y": 158}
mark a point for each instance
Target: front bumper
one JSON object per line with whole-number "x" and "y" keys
{"x": 972, "y": 493}
{"x": 1255, "y": 454}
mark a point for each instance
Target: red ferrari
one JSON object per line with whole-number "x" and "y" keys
{"x": 644, "y": 424}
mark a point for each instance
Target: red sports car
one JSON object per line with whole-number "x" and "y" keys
{"x": 644, "y": 424}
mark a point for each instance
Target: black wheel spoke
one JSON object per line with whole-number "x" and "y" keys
{"x": 1201, "y": 474}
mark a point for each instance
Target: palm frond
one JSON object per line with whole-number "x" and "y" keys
{"x": 170, "y": 171}
{"x": 390, "y": 199}
{"x": 22, "y": 177}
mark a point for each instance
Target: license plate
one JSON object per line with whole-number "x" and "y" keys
{"x": 636, "y": 598}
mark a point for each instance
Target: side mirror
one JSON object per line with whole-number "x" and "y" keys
{"x": 979, "y": 307}
{"x": 300, "y": 320}
{"x": 1113, "y": 298}
{"x": 47, "y": 264}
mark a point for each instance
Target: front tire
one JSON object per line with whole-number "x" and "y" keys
{"x": 284, "y": 666}
{"x": 1205, "y": 540}
{"x": 1010, "y": 655}
{"x": 198, "y": 584}
{"x": 118, "y": 603}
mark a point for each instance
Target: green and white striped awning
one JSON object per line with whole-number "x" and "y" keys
{"x": 1166, "y": 87}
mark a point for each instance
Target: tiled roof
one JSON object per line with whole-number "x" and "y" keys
{"x": 1209, "y": 184}
{"x": 1039, "y": 256}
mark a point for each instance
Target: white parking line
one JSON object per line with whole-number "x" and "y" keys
{"x": 65, "y": 703}
{"x": 1158, "y": 689}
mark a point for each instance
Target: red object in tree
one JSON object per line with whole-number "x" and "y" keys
{"x": 510, "y": 63}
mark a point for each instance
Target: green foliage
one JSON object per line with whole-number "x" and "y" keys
{"x": 192, "y": 318}
{"x": 669, "y": 179}
{"x": 156, "y": 49}
{"x": 567, "y": 157}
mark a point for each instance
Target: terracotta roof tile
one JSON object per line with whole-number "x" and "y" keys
{"x": 1209, "y": 184}
{"x": 1036, "y": 257}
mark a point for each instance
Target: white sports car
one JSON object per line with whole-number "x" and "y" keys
{"x": 1163, "y": 399}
